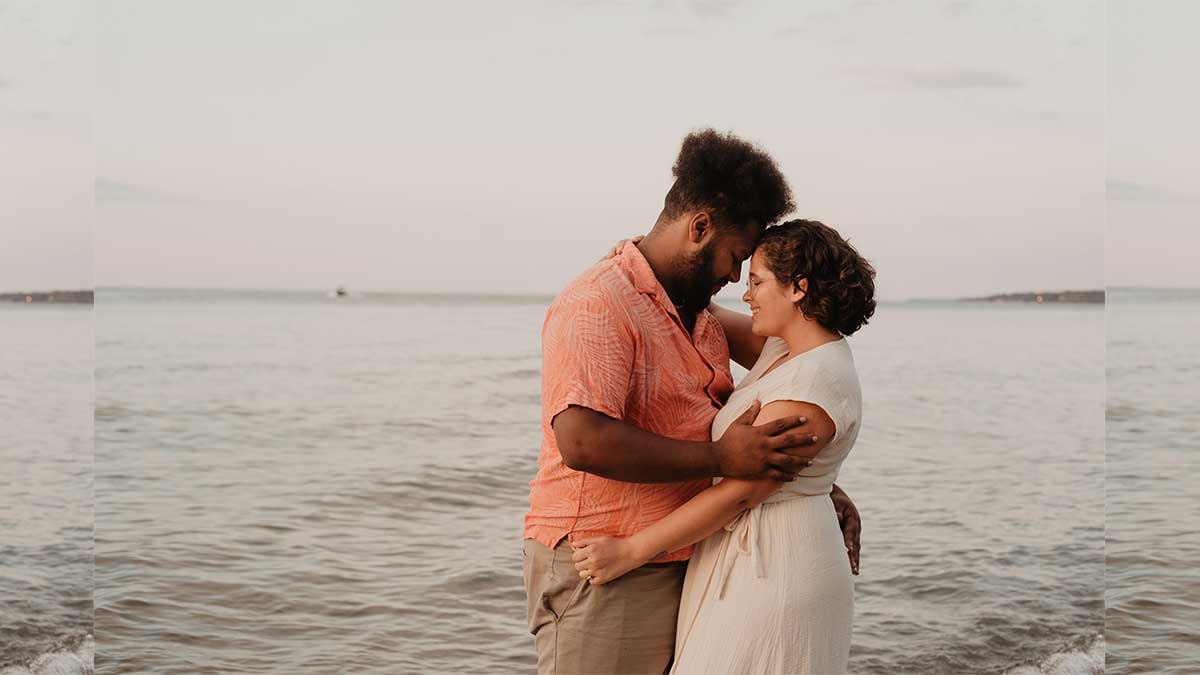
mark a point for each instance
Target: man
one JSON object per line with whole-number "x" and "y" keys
{"x": 634, "y": 368}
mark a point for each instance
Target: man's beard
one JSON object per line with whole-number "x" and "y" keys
{"x": 697, "y": 280}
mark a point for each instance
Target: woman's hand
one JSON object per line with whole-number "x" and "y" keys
{"x": 602, "y": 559}
{"x": 621, "y": 244}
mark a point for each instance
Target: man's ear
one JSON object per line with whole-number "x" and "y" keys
{"x": 799, "y": 290}
{"x": 700, "y": 227}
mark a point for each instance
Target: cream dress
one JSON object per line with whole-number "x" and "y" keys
{"x": 772, "y": 592}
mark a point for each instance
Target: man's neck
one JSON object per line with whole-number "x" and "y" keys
{"x": 660, "y": 255}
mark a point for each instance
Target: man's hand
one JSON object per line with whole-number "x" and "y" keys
{"x": 776, "y": 450}
{"x": 621, "y": 244}
{"x": 850, "y": 523}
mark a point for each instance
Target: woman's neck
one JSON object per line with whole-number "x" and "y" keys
{"x": 802, "y": 334}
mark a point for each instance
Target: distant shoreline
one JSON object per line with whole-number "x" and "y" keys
{"x": 1084, "y": 296}
{"x": 1088, "y": 297}
{"x": 74, "y": 297}
{"x": 1078, "y": 297}
{"x": 1042, "y": 297}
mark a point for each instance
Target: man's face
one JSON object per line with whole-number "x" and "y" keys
{"x": 717, "y": 263}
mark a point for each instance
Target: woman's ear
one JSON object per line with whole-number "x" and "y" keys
{"x": 799, "y": 290}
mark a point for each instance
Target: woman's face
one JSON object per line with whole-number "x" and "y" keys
{"x": 772, "y": 304}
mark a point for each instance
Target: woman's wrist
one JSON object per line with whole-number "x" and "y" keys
{"x": 640, "y": 547}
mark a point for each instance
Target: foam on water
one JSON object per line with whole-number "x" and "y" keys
{"x": 1083, "y": 660}
{"x": 73, "y": 657}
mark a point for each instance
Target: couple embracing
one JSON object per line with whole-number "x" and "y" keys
{"x": 678, "y": 522}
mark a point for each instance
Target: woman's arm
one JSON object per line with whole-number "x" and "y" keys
{"x": 606, "y": 558}
{"x": 744, "y": 345}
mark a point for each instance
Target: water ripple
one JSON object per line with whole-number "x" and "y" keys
{"x": 284, "y": 511}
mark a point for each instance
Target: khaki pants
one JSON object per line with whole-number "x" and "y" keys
{"x": 624, "y": 626}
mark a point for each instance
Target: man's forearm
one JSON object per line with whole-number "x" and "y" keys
{"x": 744, "y": 346}
{"x": 614, "y": 449}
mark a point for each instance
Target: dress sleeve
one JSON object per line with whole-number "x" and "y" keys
{"x": 811, "y": 383}
{"x": 588, "y": 352}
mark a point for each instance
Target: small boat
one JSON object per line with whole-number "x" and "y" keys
{"x": 341, "y": 292}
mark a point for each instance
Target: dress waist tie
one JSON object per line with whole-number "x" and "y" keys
{"x": 741, "y": 541}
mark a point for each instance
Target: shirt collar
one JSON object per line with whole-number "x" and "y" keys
{"x": 630, "y": 259}
{"x": 639, "y": 270}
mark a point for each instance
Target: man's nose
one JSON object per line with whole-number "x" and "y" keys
{"x": 736, "y": 274}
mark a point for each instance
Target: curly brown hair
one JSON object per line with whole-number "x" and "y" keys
{"x": 736, "y": 179}
{"x": 841, "y": 283}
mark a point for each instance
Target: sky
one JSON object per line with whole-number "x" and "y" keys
{"x": 1154, "y": 145}
{"x": 504, "y": 147}
{"x": 47, "y": 157}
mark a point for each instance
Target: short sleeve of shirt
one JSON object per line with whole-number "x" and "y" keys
{"x": 588, "y": 351}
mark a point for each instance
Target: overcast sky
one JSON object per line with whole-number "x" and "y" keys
{"x": 1154, "y": 144}
{"x": 503, "y": 148}
{"x": 47, "y": 161}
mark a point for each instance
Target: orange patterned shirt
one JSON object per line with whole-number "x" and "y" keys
{"x": 613, "y": 342}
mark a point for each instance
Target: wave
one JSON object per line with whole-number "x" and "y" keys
{"x": 516, "y": 374}
{"x": 74, "y": 657}
{"x": 1081, "y": 659}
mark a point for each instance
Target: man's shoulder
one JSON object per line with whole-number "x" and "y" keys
{"x": 604, "y": 283}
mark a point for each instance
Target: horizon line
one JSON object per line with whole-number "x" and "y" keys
{"x": 536, "y": 294}
{"x": 549, "y": 295}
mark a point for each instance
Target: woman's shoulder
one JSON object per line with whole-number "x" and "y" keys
{"x": 827, "y": 372}
{"x": 832, "y": 357}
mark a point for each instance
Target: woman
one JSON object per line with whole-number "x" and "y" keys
{"x": 771, "y": 590}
